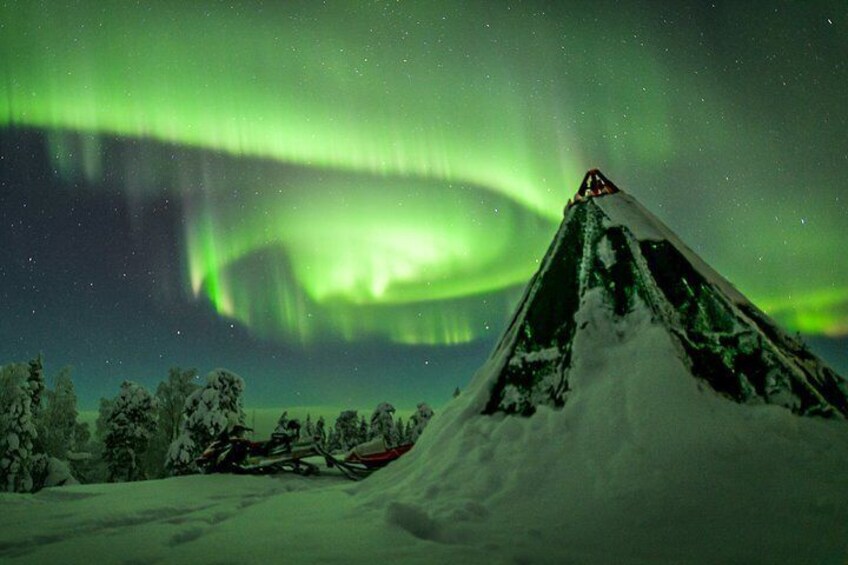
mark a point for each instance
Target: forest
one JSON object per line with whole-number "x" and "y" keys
{"x": 139, "y": 435}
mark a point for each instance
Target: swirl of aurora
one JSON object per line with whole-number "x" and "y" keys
{"x": 401, "y": 192}
{"x": 347, "y": 171}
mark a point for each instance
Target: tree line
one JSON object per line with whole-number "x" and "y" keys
{"x": 139, "y": 435}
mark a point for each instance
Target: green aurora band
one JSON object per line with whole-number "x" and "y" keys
{"x": 421, "y": 167}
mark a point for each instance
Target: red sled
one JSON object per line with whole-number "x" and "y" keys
{"x": 375, "y": 453}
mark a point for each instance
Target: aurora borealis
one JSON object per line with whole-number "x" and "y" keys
{"x": 369, "y": 185}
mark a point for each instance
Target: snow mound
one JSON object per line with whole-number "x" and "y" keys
{"x": 642, "y": 464}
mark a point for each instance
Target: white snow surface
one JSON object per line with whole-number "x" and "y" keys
{"x": 641, "y": 466}
{"x": 623, "y": 210}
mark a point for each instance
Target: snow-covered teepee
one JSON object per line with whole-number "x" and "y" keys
{"x": 662, "y": 417}
{"x": 612, "y": 255}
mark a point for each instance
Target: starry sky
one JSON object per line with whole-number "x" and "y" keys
{"x": 341, "y": 201}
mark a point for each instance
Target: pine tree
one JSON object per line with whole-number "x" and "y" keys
{"x": 400, "y": 431}
{"x": 35, "y": 382}
{"x": 96, "y": 470}
{"x": 363, "y": 434}
{"x": 101, "y": 425}
{"x": 282, "y": 422}
{"x": 36, "y": 386}
{"x": 59, "y": 419}
{"x": 309, "y": 427}
{"x": 171, "y": 397}
{"x": 456, "y": 392}
{"x": 382, "y": 423}
{"x": 321, "y": 432}
{"x": 17, "y": 433}
{"x": 346, "y": 430}
{"x": 130, "y": 424}
{"x": 209, "y": 412}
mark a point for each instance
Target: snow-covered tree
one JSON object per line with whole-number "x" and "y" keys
{"x": 181, "y": 455}
{"x": 362, "y": 434}
{"x": 419, "y": 421}
{"x": 36, "y": 384}
{"x": 58, "y": 425}
{"x": 171, "y": 396}
{"x": 309, "y": 427}
{"x": 12, "y": 378}
{"x": 400, "y": 431}
{"x": 83, "y": 461}
{"x": 101, "y": 425}
{"x": 94, "y": 469}
{"x": 289, "y": 427}
{"x": 208, "y": 412}
{"x": 321, "y": 431}
{"x": 58, "y": 473}
{"x": 346, "y": 430}
{"x": 17, "y": 433}
{"x": 129, "y": 427}
{"x": 282, "y": 422}
{"x": 383, "y": 423}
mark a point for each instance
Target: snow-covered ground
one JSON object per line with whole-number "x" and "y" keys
{"x": 210, "y": 518}
{"x": 641, "y": 465}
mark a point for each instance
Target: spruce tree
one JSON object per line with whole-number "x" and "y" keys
{"x": 321, "y": 432}
{"x": 129, "y": 427}
{"x": 36, "y": 387}
{"x": 364, "y": 434}
{"x": 346, "y": 430}
{"x": 171, "y": 397}
{"x": 17, "y": 435}
{"x": 400, "y": 431}
{"x": 59, "y": 418}
{"x": 309, "y": 427}
{"x": 209, "y": 412}
{"x": 36, "y": 384}
{"x": 382, "y": 423}
{"x": 282, "y": 422}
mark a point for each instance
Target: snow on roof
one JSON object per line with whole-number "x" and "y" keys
{"x": 625, "y": 211}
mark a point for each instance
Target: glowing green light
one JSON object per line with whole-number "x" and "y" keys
{"x": 818, "y": 312}
{"x": 427, "y": 160}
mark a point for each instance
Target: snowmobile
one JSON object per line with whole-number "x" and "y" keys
{"x": 232, "y": 453}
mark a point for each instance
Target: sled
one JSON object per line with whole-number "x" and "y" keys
{"x": 230, "y": 453}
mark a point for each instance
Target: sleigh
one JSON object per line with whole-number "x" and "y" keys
{"x": 231, "y": 453}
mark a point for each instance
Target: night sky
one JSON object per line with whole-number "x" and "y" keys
{"x": 342, "y": 201}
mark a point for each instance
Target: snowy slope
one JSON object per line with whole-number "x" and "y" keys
{"x": 641, "y": 465}
{"x": 208, "y": 519}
